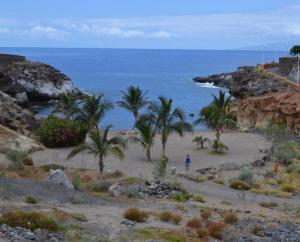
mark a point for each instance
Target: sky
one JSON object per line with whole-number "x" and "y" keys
{"x": 160, "y": 24}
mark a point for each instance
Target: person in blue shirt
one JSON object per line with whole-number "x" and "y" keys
{"x": 188, "y": 162}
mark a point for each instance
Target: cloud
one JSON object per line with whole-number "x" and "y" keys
{"x": 109, "y": 30}
{"x": 4, "y": 30}
{"x": 46, "y": 32}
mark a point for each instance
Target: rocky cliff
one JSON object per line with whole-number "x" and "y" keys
{"x": 33, "y": 81}
{"x": 261, "y": 97}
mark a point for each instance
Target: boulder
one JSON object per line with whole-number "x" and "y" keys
{"x": 59, "y": 177}
{"x": 22, "y": 99}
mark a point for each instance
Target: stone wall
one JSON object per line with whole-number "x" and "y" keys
{"x": 286, "y": 64}
{"x": 8, "y": 59}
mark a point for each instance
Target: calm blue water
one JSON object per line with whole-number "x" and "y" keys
{"x": 161, "y": 72}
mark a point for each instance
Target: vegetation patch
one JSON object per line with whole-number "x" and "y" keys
{"x": 269, "y": 204}
{"x": 135, "y": 214}
{"x": 219, "y": 181}
{"x": 80, "y": 217}
{"x": 206, "y": 213}
{"x": 31, "y": 200}
{"x": 29, "y": 220}
{"x": 239, "y": 185}
{"x": 199, "y": 198}
{"x": 288, "y": 188}
{"x": 216, "y": 229}
{"x": 195, "y": 223}
{"x": 230, "y": 217}
{"x": 58, "y": 132}
{"x": 182, "y": 196}
{"x": 52, "y": 167}
{"x": 167, "y": 216}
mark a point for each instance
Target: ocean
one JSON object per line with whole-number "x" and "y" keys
{"x": 161, "y": 72}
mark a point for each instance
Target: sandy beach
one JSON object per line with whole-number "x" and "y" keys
{"x": 243, "y": 148}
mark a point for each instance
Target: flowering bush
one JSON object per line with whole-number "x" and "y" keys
{"x": 58, "y": 132}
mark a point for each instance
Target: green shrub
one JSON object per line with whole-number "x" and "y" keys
{"x": 199, "y": 198}
{"x": 288, "y": 151}
{"x": 52, "y": 167}
{"x": 269, "y": 204}
{"x": 246, "y": 175}
{"x": 182, "y": 196}
{"x": 135, "y": 214}
{"x": 58, "y": 132}
{"x": 101, "y": 186}
{"x": 30, "y": 199}
{"x": 14, "y": 155}
{"x": 294, "y": 167}
{"x": 239, "y": 185}
{"x": 219, "y": 181}
{"x": 29, "y": 220}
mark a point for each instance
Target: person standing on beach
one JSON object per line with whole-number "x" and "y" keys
{"x": 188, "y": 162}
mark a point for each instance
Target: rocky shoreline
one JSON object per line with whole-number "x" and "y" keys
{"x": 261, "y": 97}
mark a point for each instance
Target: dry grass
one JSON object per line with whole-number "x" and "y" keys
{"x": 194, "y": 223}
{"x": 60, "y": 215}
{"x": 202, "y": 233}
{"x": 167, "y": 216}
{"x": 31, "y": 200}
{"x": 135, "y": 214}
{"x": 230, "y": 217}
{"x": 288, "y": 188}
{"x": 206, "y": 213}
{"x": 215, "y": 229}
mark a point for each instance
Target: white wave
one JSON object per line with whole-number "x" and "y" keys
{"x": 207, "y": 85}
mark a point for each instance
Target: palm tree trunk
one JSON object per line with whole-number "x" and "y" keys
{"x": 164, "y": 148}
{"x": 148, "y": 154}
{"x": 101, "y": 164}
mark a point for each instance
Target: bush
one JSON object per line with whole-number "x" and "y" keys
{"x": 288, "y": 188}
{"x": 52, "y": 167}
{"x": 194, "y": 223}
{"x": 170, "y": 217}
{"x": 239, "y": 185}
{"x": 14, "y": 155}
{"x": 246, "y": 176}
{"x": 101, "y": 186}
{"x": 256, "y": 229}
{"x": 294, "y": 167}
{"x": 182, "y": 196}
{"x": 134, "y": 214}
{"x": 199, "y": 198}
{"x": 215, "y": 229}
{"x": 29, "y": 220}
{"x": 57, "y": 132}
{"x": 118, "y": 173}
{"x": 31, "y": 200}
{"x": 269, "y": 204}
{"x": 202, "y": 233}
{"x": 288, "y": 151}
{"x": 219, "y": 181}
{"x": 230, "y": 217}
{"x": 28, "y": 161}
{"x": 206, "y": 213}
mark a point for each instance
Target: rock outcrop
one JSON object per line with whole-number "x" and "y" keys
{"x": 15, "y": 117}
{"x": 33, "y": 81}
{"x": 261, "y": 97}
{"x": 10, "y": 140}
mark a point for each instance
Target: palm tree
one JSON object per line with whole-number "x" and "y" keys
{"x": 167, "y": 120}
{"x": 133, "y": 100}
{"x": 219, "y": 113}
{"x": 66, "y": 105}
{"x": 200, "y": 141}
{"x": 93, "y": 110}
{"x": 101, "y": 146}
{"x": 218, "y": 146}
{"x": 146, "y": 136}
